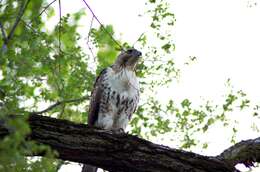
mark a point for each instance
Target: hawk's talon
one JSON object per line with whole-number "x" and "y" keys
{"x": 118, "y": 131}
{"x": 115, "y": 131}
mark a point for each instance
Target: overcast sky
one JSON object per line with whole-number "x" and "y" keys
{"x": 224, "y": 35}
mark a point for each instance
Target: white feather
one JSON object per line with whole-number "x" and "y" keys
{"x": 126, "y": 85}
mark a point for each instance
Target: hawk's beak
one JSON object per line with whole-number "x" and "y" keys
{"x": 137, "y": 53}
{"x": 132, "y": 52}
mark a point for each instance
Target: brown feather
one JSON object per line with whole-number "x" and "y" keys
{"x": 114, "y": 98}
{"x": 95, "y": 99}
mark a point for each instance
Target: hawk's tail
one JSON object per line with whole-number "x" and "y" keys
{"x": 89, "y": 168}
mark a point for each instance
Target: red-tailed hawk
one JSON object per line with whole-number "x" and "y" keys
{"x": 115, "y": 95}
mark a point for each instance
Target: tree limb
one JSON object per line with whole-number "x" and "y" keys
{"x": 58, "y": 103}
{"x": 115, "y": 152}
{"x": 245, "y": 152}
{"x": 17, "y": 20}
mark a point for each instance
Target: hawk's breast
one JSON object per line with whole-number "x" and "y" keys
{"x": 120, "y": 99}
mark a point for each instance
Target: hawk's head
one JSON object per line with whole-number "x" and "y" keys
{"x": 128, "y": 58}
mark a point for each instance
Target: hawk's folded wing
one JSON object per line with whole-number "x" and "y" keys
{"x": 95, "y": 99}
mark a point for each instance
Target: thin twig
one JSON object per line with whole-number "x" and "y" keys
{"x": 30, "y": 23}
{"x": 18, "y": 18}
{"x": 30, "y": 27}
{"x": 90, "y": 27}
{"x": 36, "y": 32}
{"x": 88, "y": 39}
{"x": 102, "y": 26}
{"x": 4, "y": 46}
{"x": 91, "y": 51}
{"x": 62, "y": 111}
{"x": 138, "y": 39}
{"x": 3, "y": 32}
{"x": 59, "y": 30}
{"x": 58, "y": 103}
{"x": 44, "y": 9}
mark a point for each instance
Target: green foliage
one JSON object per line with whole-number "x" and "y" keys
{"x": 107, "y": 48}
{"x": 34, "y": 71}
{"x": 15, "y": 146}
{"x": 41, "y": 67}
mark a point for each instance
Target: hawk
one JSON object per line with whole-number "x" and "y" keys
{"x": 115, "y": 95}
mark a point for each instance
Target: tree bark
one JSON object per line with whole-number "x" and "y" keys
{"x": 120, "y": 152}
{"x": 245, "y": 152}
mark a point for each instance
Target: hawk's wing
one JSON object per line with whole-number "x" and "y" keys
{"x": 95, "y": 99}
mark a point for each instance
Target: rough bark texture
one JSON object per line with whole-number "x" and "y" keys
{"x": 244, "y": 152}
{"x": 123, "y": 152}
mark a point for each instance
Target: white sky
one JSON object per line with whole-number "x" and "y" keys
{"x": 224, "y": 35}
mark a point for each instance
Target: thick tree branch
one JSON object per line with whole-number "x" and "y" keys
{"x": 115, "y": 152}
{"x": 245, "y": 152}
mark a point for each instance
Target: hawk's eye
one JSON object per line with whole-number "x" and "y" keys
{"x": 129, "y": 51}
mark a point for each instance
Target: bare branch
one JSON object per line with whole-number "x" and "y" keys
{"x": 245, "y": 152}
{"x": 58, "y": 103}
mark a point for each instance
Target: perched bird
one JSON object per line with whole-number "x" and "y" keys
{"x": 115, "y": 95}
